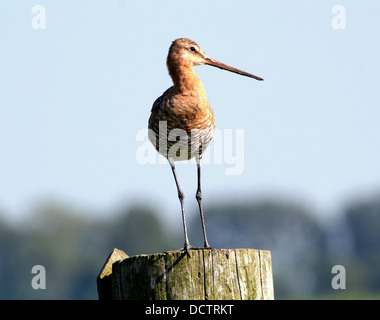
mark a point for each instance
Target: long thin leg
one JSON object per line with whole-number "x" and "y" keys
{"x": 198, "y": 196}
{"x": 181, "y": 198}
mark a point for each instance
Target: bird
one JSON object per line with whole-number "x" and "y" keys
{"x": 181, "y": 124}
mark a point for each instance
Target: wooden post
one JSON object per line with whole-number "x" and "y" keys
{"x": 104, "y": 279}
{"x": 210, "y": 274}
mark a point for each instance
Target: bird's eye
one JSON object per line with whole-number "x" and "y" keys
{"x": 193, "y": 49}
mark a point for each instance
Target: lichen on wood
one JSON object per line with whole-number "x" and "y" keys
{"x": 214, "y": 274}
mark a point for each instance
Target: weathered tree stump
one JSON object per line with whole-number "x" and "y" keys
{"x": 210, "y": 274}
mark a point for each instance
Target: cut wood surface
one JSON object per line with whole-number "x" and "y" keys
{"x": 104, "y": 279}
{"x": 208, "y": 274}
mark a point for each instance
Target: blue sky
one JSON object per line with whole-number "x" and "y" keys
{"x": 74, "y": 96}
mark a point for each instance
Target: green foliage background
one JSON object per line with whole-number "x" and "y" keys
{"x": 72, "y": 247}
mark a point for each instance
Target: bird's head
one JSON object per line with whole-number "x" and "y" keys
{"x": 184, "y": 51}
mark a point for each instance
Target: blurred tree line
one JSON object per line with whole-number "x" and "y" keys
{"x": 72, "y": 247}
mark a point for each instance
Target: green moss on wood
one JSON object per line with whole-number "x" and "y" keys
{"x": 214, "y": 274}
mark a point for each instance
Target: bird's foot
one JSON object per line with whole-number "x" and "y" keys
{"x": 206, "y": 245}
{"x": 187, "y": 247}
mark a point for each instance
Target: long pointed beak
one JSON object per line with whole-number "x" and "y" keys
{"x": 211, "y": 62}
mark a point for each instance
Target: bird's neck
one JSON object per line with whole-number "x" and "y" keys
{"x": 185, "y": 79}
